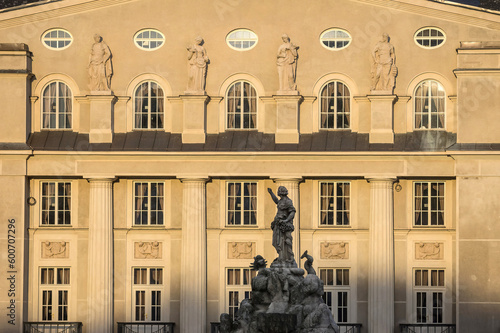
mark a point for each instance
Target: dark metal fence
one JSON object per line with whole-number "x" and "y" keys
{"x": 52, "y": 327}
{"x": 150, "y": 327}
{"x": 427, "y": 328}
{"x": 344, "y": 328}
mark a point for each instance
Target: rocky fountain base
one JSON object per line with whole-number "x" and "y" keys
{"x": 283, "y": 300}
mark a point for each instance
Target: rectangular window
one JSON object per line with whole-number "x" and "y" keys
{"x": 241, "y": 203}
{"x": 336, "y": 292}
{"x": 148, "y": 203}
{"x": 429, "y": 289}
{"x": 238, "y": 287}
{"x": 147, "y": 288}
{"x": 54, "y": 289}
{"x": 334, "y": 203}
{"x": 56, "y": 203}
{"x": 428, "y": 203}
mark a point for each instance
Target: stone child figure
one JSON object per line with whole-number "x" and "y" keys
{"x": 100, "y": 68}
{"x": 283, "y": 225}
{"x": 287, "y": 64}
{"x": 384, "y": 68}
{"x": 197, "y": 60}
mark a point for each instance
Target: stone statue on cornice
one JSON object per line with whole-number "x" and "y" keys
{"x": 100, "y": 68}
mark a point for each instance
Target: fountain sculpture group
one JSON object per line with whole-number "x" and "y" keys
{"x": 282, "y": 300}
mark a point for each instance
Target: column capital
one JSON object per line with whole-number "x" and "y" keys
{"x": 292, "y": 178}
{"x": 373, "y": 179}
{"x": 193, "y": 178}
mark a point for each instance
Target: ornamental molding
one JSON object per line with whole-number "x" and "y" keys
{"x": 148, "y": 250}
{"x": 429, "y": 251}
{"x": 240, "y": 250}
{"x": 55, "y": 250}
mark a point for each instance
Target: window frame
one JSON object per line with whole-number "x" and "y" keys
{"x": 335, "y": 198}
{"x": 241, "y": 289}
{"x": 241, "y": 113}
{"x": 242, "y": 49}
{"x": 443, "y": 39}
{"x": 322, "y": 39}
{"x": 148, "y": 213}
{"x": 429, "y": 203}
{"x": 56, "y": 203}
{"x": 242, "y": 203}
{"x": 429, "y": 290}
{"x": 148, "y": 289}
{"x": 335, "y": 99}
{"x": 429, "y": 98}
{"x": 136, "y": 114}
{"x": 150, "y": 39}
{"x": 335, "y": 289}
{"x": 57, "y": 98}
{"x": 54, "y": 288}
{"x": 44, "y": 38}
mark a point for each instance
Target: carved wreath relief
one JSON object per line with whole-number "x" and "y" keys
{"x": 429, "y": 251}
{"x": 240, "y": 250}
{"x": 334, "y": 250}
{"x": 148, "y": 250}
{"x": 55, "y": 250}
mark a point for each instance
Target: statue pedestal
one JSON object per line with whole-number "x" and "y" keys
{"x": 381, "y": 130}
{"x": 194, "y": 118}
{"x": 287, "y": 116}
{"x": 101, "y": 116}
{"x": 277, "y": 322}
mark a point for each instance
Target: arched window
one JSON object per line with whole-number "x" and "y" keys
{"x": 429, "y": 105}
{"x": 241, "y": 106}
{"x": 57, "y": 106}
{"x": 335, "y": 106}
{"x": 148, "y": 106}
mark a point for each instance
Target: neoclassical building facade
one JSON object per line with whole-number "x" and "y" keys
{"x": 139, "y": 137}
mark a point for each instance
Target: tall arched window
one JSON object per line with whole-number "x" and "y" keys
{"x": 335, "y": 106}
{"x": 148, "y": 106}
{"x": 429, "y": 105}
{"x": 57, "y": 106}
{"x": 241, "y": 106}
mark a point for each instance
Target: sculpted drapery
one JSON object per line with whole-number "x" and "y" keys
{"x": 287, "y": 64}
{"x": 100, "y": 68}
{"x": 198, "y": 59}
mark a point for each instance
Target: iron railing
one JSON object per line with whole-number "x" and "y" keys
{"x": 344, "y": 328}
{"x": 149, "y": 327}
{"x": 427, "y": 328}
{"x": 52, "y": 327}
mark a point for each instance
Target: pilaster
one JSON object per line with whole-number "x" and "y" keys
{"x": 194, "y": 118}
{"x": 100, "y": 275}
{"x": 382, "y": 109}
{"x": 287, "y": 118}
{"x": 101, "y": 116}
{"x": 193, "y": 310}
{"x": 381, "y": 256}
{"x": 292, "y": 185}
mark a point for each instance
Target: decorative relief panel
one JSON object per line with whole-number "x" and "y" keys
{"x": 429, "y": 251}
{"x": 55, "y": 250}
{"x": 334, "y": 250}
{"x": 240, "y": 250}
{"x": 148, "y": 250}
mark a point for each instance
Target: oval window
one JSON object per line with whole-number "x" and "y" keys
{"x": 149, "y": 39}
{"x": 335, "y": 39}
{"x": 241, "y": 39}
{"x": 429, "y": 37}
{"x": 57, "y": 39}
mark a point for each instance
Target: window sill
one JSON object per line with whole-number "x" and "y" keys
{"x": 428, "y": 227}
{"x": 242, "y": 130}
{"x": 56, "y": 129}
{"x": 334, "y": 226}
{"x": 148, "y": 226}
{"x": 335, "y": 129}
{"x": 148, "y": 130}
{"x": 250, "y": 226}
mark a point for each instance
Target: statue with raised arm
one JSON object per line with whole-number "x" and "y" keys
{"x": 384, "y": 68}
{"x": 100, "y": 68}
{"x": 287, "y": 64}
{"x": 283, "y": 225}
{"x": 197, "y": 59}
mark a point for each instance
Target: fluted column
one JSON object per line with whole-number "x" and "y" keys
{"x": 381, "y": 257}
{"x": 194, "y": 257}
{"x": 100, "y": 269}
{"x": 292, "y": 185}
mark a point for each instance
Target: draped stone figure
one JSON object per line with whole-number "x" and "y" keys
{"x": 100, "y": 67}
{"x": 384, "y": 68}
{"x": 198, "y": 60}
{"x": 287, "y": 65}
{"x": 283, "y": 225}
